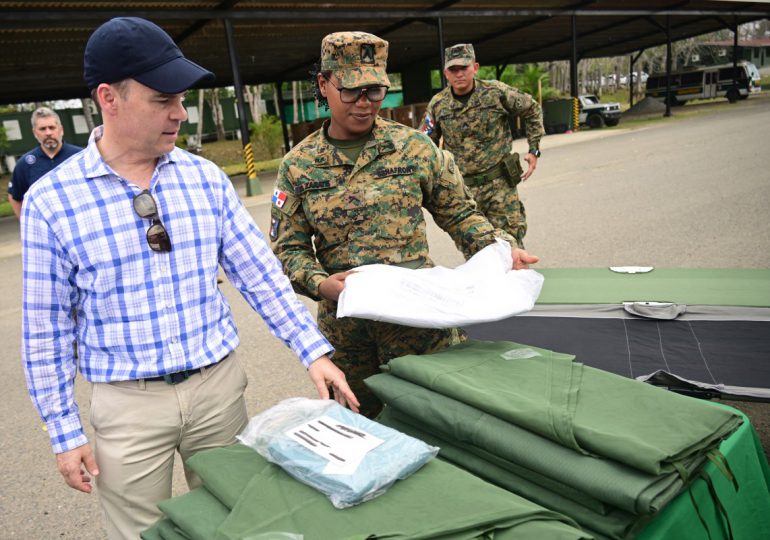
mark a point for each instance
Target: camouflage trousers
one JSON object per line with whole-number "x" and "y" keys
{"x": 500, "y": 203}
{"x": 362, "y": 346}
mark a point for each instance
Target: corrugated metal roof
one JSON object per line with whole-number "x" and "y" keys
{"x": 42, "y": 42}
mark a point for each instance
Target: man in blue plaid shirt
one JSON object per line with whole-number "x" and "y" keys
{"x": 121, "y": 250}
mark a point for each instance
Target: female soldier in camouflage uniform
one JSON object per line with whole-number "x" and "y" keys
{"x": 352, "y": 193}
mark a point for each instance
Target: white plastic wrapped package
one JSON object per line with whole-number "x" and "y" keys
{"x": 483, "y": 289}
{"x": 342, "y": 454}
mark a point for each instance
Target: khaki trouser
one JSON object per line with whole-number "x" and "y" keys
{"x": 139, "y": 425}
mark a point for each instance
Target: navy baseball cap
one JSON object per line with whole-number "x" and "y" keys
{"x": 134, "y": 48}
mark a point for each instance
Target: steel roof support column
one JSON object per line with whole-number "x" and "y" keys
{"x": 669, "y": 98}
{"x": 252, "y": 182}
{"x": 631, "y": 82}
{"x": 441, "y": 51}
{"x": 573, "y": 63}
{"x": 735, "y": 57}
{"x": 282, "y": 115}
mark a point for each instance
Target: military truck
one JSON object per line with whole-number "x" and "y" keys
{"x": 595, "y": 114}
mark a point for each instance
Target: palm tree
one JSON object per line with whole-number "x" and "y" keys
{"x": 535, "y": 81}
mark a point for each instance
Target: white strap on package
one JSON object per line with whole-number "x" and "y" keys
{"x": 483, "y": 289}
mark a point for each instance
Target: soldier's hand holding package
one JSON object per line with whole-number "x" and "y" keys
{"x": 331, "y": 287}
{"x": 522, "y": 259}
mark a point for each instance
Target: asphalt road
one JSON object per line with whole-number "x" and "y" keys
{"x": 682, "y": 192}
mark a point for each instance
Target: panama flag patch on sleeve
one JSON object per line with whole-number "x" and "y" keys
{"x": 279, "y": 198}
{"x": 428, "y": 125}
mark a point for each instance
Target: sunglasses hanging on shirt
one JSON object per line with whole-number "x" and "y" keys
{"x": 157, "y": 236}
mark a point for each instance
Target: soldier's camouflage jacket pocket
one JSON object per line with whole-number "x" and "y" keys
{"x": 490, "y": 120}
{"x": 328, "y": 208}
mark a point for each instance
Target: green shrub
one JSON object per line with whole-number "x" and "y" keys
{"x": 3, "y": 140}
{"x": 6, "y": 209}
{"x": 267, "y": 138}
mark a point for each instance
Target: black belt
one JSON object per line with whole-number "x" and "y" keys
{"x": 181, "y": 376}
{"x": 414, "y": 264}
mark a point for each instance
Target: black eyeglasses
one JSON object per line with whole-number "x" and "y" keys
{"x": 375, "y": 94}
{"x": 157, "y": 236}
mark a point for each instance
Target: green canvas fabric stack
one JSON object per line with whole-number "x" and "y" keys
{"x": 607, "y": 451}
{"x": 245, "y": 497}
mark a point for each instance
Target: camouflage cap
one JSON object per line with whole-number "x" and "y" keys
{"x": 459, "y": 55}
{"x": 356, "y": 58}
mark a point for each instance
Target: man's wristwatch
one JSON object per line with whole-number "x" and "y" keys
{"x": 535, "y": 152}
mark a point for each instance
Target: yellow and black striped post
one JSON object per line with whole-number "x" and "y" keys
{"x": 253, "y": 187}
{"x": 575, "y": 114}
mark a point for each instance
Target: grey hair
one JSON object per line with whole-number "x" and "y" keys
{"x": 44, "y": 112}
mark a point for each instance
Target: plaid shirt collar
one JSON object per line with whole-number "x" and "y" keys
{"x": 96, "y": 167}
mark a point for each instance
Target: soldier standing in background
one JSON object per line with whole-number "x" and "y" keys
{"x": 352, "y": 193}
{"x": 472, "y": 116}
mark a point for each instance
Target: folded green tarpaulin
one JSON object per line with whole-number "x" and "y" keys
{"x": 612, "y": 524}
{"x": 156, "y": 531}
{"x": 748, "y": 508}
{"x": 438, "y": 501}
{"x": 164, "y": 530}
{"x": 226, "y": 472}
{"x": 197, "y": 513}
{"x": 583, "y": 408}
{"x": 594, "y": 482}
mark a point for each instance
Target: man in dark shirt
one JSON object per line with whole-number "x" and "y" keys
{"x": 47, "y": 129}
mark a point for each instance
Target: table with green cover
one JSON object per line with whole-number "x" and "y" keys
{"x": 701, "y": 331}
{"x": 243, "y": 496}
{"x": 747, "y": 287}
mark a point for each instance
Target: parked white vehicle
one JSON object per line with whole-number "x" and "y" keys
{"x": 595, "y": 114}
